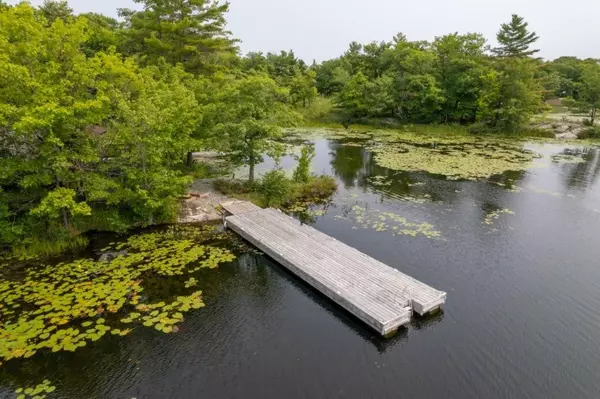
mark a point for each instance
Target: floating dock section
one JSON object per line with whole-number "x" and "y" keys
{"x": 379, "y": 295}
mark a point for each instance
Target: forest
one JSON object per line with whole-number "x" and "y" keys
{"x": 98, "y": 115}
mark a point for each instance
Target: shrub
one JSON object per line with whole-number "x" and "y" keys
{"x": 319, "y": 109}
{"x": 318, "y": 189}
{"x": 275, "y": 188}
{"x": 302, "y": 171}
{"x": 587, "y": 122}
{"x": 589, "y": 133}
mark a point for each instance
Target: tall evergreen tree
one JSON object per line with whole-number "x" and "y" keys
{"x": 190, "y": 32}
{"x": 515, "y": 39}
{"x": 53, "y": 10}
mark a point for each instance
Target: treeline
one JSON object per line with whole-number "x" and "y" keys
{"x": 97, "y": 115}
{"x": 457, "y": 78}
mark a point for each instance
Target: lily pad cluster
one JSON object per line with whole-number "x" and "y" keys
{"x": 37, "y": 392}
{"x": 454, "y": 156}
{"x": 491, "y": 217}
{"x": 380, "y": 181}
{"x": 567, "y": 158}
{"x": 460, "y": 160}
{"x": 389, "y": 222}
{"x": 63, "y": 307}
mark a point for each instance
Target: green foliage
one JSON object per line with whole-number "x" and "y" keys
{"x": 53, "y": 244}
{"x": 389, "y": 222}
{"x": 61, "y": 200}
{"x": 588, "y": 99}
{"x": 590, "y": 133}
{"x": 53, "y": 10}
{"x": 66, "y": 306}
{"x": 510, "y": 95}
{"x": 190, "y": 32}
{"x": 320, "y": 109}
{"x": 515, "y": 39}
{"x": 317, "y": 189}
{"x": 246, "y": 116}
{"x": 454, "y": 79}
{"x": 37, "y": 392}
{"x": 275, "y": 188}
{"x": 86, "y": 130}
{"x": 103, "y": 33}
{"x": 302, "y": 172}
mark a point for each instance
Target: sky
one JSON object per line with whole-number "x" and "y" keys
{"x": 322, "y": 29}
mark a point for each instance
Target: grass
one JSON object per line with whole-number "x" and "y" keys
{"x": 295, "y": 196}
{"x": 452, "y": 130}
{"x": 48, "y": 248}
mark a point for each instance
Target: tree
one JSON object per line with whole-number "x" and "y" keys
{"x": 302, "y": 88}
{"x": 458, "y": 70}
{"x": 569, "y": 70}
{"x": 190, "y": 32}
{"x": 510, "y": 95}
{"x": 515, "y": 39}
{"x": 246, "y": 117}
{"x": 331, "y": 77}
{"x": 53, "y": 10}
{"x": 60, "y": 202}
{"x": 103, "y": 33}
{"x": 589, "y": 91}
{"x": 94, "y": 141}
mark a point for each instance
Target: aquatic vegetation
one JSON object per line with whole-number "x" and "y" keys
{"x": 317, "y": 212}
{"x": 192, "y": 282}
{"x": 567, "y": 158}
{"x": 508, "y": 186}
{"x": 381, "y": 181}
{"x": 65, "y": 306}
{"x": 463, "y": 160}
{"x": 389, "y": 222}
{"x": 491, "y": 217}
{"x": 451, "y": 155}
{"x": 38, "y": 392}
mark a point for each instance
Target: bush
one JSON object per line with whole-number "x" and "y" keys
{"x": 302, "y": 171}
{"x": 317, "y": 189}
{"x": 590, "y": 133}
{"x": 587, "y": 122}
{"x": 320, "y": 108}
{"x": 275, "y": 188}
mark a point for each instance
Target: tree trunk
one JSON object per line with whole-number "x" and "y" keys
{"x": 251, "y": 172}
{"x": 65, "y": 217}
{"x": 190, "y": 159}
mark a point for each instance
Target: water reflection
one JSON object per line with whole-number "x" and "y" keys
{"x": 583, "y": 174}
{"x": 349, "y": 162}
{"x": 520, "y": 321}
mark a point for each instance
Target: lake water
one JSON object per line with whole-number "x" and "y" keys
{"x": 520, "y": 264}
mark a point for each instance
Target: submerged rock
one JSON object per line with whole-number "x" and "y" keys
{"x": 108, "y": 256}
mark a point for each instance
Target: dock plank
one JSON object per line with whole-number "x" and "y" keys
{"x": 381, "y": 296}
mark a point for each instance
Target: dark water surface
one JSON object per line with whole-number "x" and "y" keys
{"x": 522, "y": 318}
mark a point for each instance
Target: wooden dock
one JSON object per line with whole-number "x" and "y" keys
{"x": 381, "y": 296}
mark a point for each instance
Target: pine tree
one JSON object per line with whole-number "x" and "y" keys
{"x": 515, "y": 40}
{"x": 53, "y": 10}
{"x": 190, "y": 32}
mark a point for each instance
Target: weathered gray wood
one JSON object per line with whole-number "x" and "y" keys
{"x": 379, "y": 295}
{"x": 238, "y": 207}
